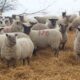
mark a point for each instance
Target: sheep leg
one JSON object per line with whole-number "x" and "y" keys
{"x": 56, "y": 52}
{"x": 8, "y": 62}
{"x": 63, "y": 45}
{"x": 28, "y": 60}
{"x": 60, "y": 46}
{"x": 24, "y": 61}
{"x": 78, "y": 58}
{"x": 14, "y": 62}
{"x": 34, "y": 52}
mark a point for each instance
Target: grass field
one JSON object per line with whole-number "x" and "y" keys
{"x": 45, "y": 66}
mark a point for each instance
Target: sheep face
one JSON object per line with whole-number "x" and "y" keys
{"x": 14, "y": 16}
{"x": 7, "y": 22}
{"x": 63, "y": 14}
{"x": 17, "y": 25}
{"x": 21, "y": 18}
{"x": 27, "y": 29}
{"x": 53, "y": 21}
{"x": 63, "y": 28}
{"x": 11, "y": 39}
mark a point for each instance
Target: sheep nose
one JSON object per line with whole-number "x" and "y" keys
{"x": 14, "y": 42}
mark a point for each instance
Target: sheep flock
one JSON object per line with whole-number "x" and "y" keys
{"x": 40, "y": 47}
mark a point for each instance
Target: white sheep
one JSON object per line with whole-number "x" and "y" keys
{"x": 43, "y": 19}
{"x": 51, "y": 23}
{"x": 16, "y": 49}
{"x": 19, "y": 35}
{"x": 39, "y": 26}
{"x": 77, "y": 44}
{"x": 2, "y": 24}
{"x": 75, "y": 23}
{"x": 44, "y": 38}
{"x": 15, "y": 27}
{"x": 63, "y": 30}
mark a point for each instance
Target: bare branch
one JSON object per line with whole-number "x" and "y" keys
{"x": 40, "y": 11}
{"x": 6, "y": 5}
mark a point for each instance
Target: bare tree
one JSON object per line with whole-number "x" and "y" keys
{"x": 6, "y": 5}
{"x": 40, "y": 11}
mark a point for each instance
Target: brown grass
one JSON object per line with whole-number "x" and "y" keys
{"x": 45, "y": 66}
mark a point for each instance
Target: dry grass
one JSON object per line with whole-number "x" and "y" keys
{"x": 45, "y": 66}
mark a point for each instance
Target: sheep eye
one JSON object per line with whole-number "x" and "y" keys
{"x": 17, "y": 23}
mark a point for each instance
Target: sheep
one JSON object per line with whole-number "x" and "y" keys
{"x": 51, "y": 23}
{"x": 44, "y": 38}
{"x": 63, "y": 14}
{"x": 72, "y": 19}
{"x": 63, "y": 30}
{"x": 16, "y": 49}
{"x": 44, "y": 18}
{"x": 8, "y": 21}
{"x": 66, "y": 19}
{"x": 75, "y": 23}
{"x": 77, "y": 44}
{"x": 39, "y": 26}
{"x": 2, "y": 23}
{"x": 15, "y": 27}
{"x": 19, "y": 35}
{"x": 16, "y": 17}
{"x": 26, "y": 19}
{"x": 21, "y": 18}
{"x": 63, "y": 20}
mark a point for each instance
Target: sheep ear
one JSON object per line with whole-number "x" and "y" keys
{"x": 16, "y": 34}
{"x": 53, "y": 19}
{"x": 60, "y": 25}
{"x": 32, "y": 23}
{"x": 7, "y": 35}
{"x": 35, "y": 17}
{"x": 1, "y": 29}
{"x": 17, "y": 23}
{"x": 78, "y": 29}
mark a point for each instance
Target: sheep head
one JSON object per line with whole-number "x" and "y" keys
{"x": 63, "y": 14}
{"x": 27, "y": 28}
{"x": 11, "y": 39}
{"x": 63, "y": 28}
{"x": 53, "y": 21}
